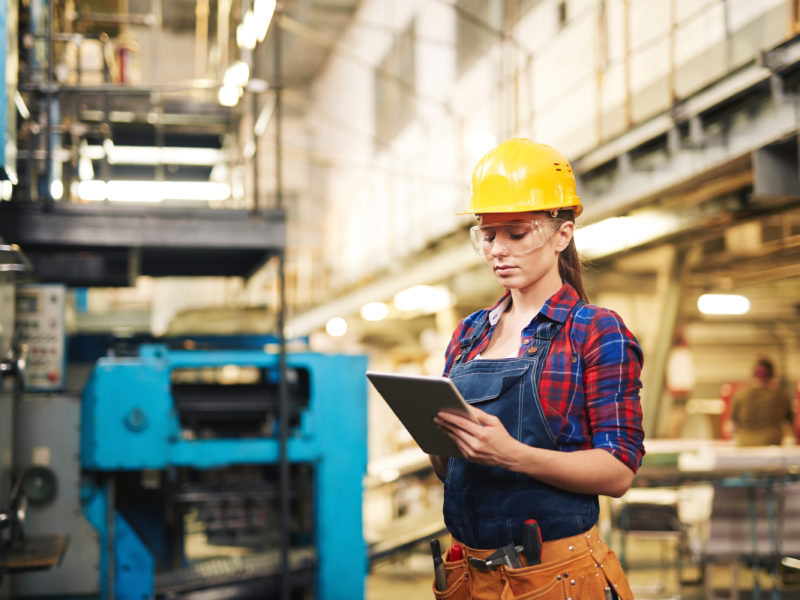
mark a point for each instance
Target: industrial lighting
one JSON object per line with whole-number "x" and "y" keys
{"x": 263, "y": 119}
{"x": 237, "y": 74}
{"x": 245, "y": 37}
{"x": 263, "y": 11}
{"x": 6, "y": 189}
{"x": 229, "y": 95}
{"x": 374, "y": 311}
{"x": 723, "y": 304}
{"x": 336, "y": 327}
{"x": 56, "y": 189}
{"x": 152, "y": 191}
{"x": 155, "y": 155}
{"x": 618, "y": 233}
{"x": 422, "y": 297}
{"x": 480, "y": 141}
{"x": 21, "y": 107}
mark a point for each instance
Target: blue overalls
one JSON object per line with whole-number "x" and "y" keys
{"x": 484, "y": 507}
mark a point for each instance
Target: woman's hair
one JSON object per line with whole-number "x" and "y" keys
{"x": 570, "y": 267}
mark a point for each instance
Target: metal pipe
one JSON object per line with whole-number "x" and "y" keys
{"x": 283, "y": 408}
{"x": 111, "y": 541}
{"x": 48, "y": 196}
{"x": 201, "y": 37}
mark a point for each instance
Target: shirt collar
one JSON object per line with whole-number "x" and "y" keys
{"x": 556, "y": 308}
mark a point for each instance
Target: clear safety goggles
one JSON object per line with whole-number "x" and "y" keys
{"x": 516, "y": 237}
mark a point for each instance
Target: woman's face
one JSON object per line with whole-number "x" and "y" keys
{"x": 523, "y": 256}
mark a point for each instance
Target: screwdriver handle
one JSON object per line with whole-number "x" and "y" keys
{"x": 532, "y": 541}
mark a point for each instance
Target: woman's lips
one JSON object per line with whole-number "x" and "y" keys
{"x": 503, "y": 269}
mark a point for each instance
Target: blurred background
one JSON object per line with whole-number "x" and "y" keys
{"x": 215, "y": 215}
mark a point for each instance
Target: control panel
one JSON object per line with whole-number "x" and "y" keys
{"x": 41, "y": 324}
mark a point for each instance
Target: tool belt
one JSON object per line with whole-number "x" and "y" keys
{"x": 577, "y": 567}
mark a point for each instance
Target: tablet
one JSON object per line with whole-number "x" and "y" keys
{"x": 416, "y": 399}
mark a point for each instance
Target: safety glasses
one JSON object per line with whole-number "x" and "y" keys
{"x": 516, "y": 237}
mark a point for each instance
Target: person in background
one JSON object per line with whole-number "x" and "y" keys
{"x": 761, "y": 409}
{"x": 553, "y": 386}
{"x": 680, "y": 381}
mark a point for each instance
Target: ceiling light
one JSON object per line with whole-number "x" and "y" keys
{"x": 263, "y": 11}
{"x": 723, "y": 304}
{"x": 422, "y": 297}
{"x": 153, "y": 191}
{"x": 246, "y": 32}
{"x": 57, "y": 189}
{"x": 229, "y": 95}
{"x": 619, "y": 233}
{"x": 336, "y": 327}
{"x": 155, "y": 155}
{"x": 479, "y": 142}
{"x": 374, "y": 311}
{"x": 237, "y": 74}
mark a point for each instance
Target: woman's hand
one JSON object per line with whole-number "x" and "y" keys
{"x": 485, "y": 442}
{"x": 592, "y": 471}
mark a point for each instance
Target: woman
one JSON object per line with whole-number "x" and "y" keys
{"x": 554, "y": 385}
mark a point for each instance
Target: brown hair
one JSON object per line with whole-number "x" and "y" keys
{"x": 570, "y": 267}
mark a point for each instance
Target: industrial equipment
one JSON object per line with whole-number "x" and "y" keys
{"x": 178, "y": 486}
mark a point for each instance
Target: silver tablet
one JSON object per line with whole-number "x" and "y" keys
{"x": 416, "y": 399}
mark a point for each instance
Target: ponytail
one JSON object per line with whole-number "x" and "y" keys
{"x": 570, "y": 267}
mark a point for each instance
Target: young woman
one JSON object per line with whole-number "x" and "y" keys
{"x": 554, "y": 385}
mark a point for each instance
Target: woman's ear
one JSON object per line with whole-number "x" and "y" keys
{"x": 564, "y": 235}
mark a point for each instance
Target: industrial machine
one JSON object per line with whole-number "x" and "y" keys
{"x": 177, "y": 489}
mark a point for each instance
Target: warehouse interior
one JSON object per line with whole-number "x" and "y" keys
{"x": 217, "y": 215}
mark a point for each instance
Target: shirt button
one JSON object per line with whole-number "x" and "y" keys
{"x": 532, "y": 350}
{"x": 574, "y": 358}
{"x": 526, "y": 341}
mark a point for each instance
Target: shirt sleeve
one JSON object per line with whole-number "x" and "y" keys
{"x": 454, "y": 347}
{"x": 612, "y": 369}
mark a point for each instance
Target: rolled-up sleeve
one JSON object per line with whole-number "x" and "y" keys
{"x": 612, "y": 369}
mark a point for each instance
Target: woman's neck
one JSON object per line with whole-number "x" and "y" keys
{"x": 529, "y": 300}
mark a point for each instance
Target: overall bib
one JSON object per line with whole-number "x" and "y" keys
{"x": 485, "y": 507}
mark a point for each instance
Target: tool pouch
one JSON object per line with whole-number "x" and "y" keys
{"x": 581, "y": 577}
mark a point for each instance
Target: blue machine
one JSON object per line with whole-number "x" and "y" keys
{"x": 169, "y": 416}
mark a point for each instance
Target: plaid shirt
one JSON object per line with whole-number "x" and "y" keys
{"x": 589, "y": 403}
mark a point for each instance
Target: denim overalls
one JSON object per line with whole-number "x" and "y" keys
{"x": 484, "y": 507}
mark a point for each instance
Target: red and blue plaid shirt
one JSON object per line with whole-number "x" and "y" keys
{"x": 590, "y": 383}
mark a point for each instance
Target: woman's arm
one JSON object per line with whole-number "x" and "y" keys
{"x": 593, "y": 471}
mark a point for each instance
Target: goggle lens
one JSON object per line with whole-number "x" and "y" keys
{"x": 517, "y": 238}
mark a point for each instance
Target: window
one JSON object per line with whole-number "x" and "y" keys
{"x": 479, "y": 24}
{"x": 395, "y": 100}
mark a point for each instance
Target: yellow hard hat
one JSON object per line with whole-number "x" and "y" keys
{"x": 519, "y": 176}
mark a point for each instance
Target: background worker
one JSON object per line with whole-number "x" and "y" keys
{"x": 761, "y": 409}
{"x": 554, "y": 385}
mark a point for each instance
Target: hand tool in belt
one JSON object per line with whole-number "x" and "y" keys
{"x": 532, "y": 541}
{"x": 439, "y": 572}
{"x": 508, "y": 555}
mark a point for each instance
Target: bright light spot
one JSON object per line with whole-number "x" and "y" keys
{"x": 336, "y": 327}
{"x": 479, "y": 142}
{"x": 152, "y": 191}
{"x": 7, "y": 189}
{"x": 422, "y": 297}
{"x": 389, "y": 475}
{"x": 723, "y": 304}
{"x": 237, "y": 74}
{"x": 229, "y": 95}
{"x": 57, "y": 189}
{"x": 246, "y": 32}
{"x": 374, "y": 311}
{"x": 263, "y": 11}
{"x": 618, "y": 233}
